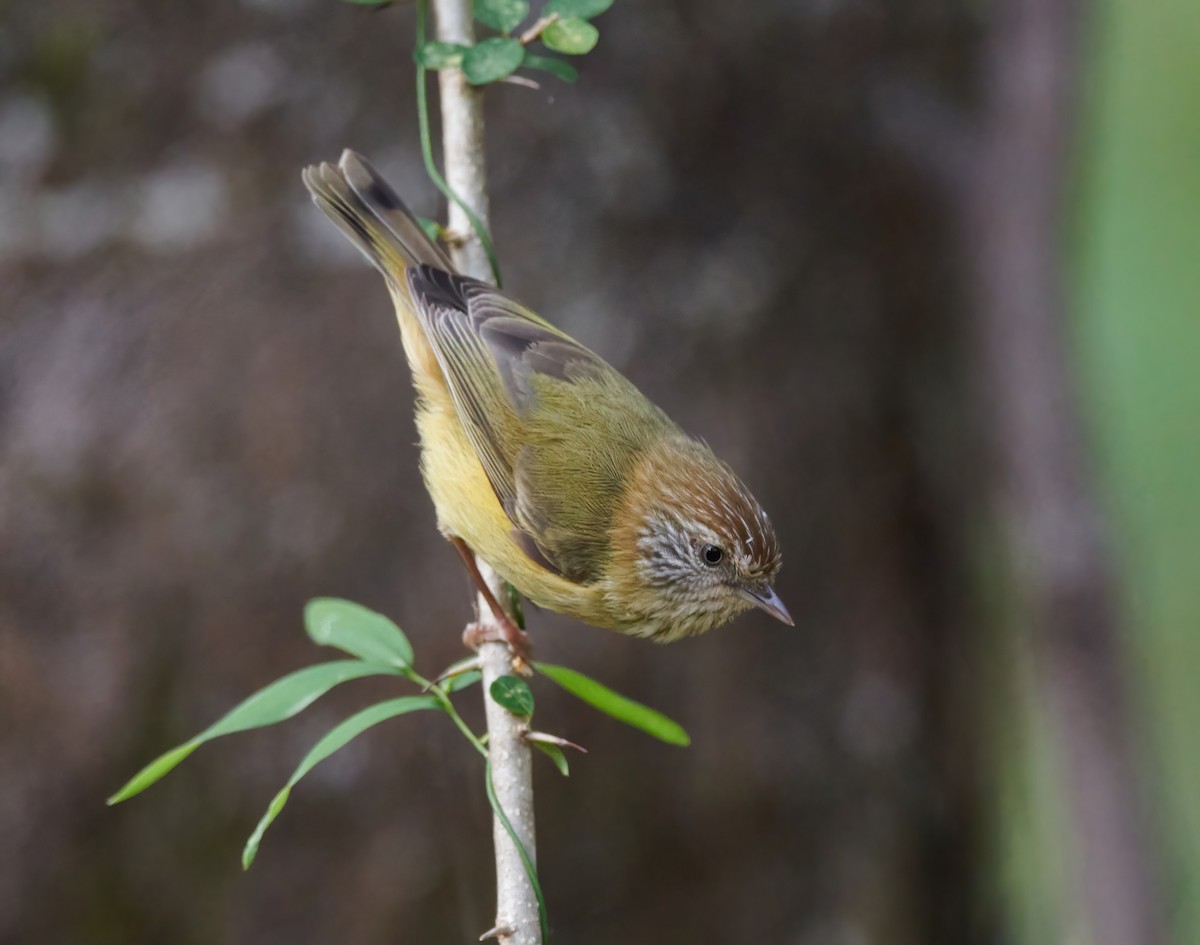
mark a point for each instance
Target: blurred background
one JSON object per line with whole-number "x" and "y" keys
{"x": 769, "y": 217}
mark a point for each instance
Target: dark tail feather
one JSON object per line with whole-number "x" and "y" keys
{"x": 364, "y": 207}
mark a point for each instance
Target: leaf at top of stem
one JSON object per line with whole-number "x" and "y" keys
{"x": 439, "y": 55}
{"x": 572, "y": 36}
{"x": 514, "y": 694}
{"x": 280, "y": 700}
{"x": 501, "y": 15}
{"x": 492, "y": 60}
{"x": 337, "y": 737}
{"x": 579, "y": 9}
{"x": 556, "y": 67}
{"x": 611, "y": 703}
{"x": 331, "y": 621}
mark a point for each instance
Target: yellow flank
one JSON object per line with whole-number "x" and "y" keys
{"x": 467, "y": 508}
{"x": 465, "y": 502}
{"x": 462, "y": 495}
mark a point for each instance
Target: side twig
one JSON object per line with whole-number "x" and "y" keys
{"x": 510, "y": 761}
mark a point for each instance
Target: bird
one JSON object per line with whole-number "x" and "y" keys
{"x": 543, "y": 459}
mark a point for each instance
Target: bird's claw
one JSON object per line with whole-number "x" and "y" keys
{"x": 492, "y": 631}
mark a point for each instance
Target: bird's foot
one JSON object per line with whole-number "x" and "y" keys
{"x": 502, "y": 631}
{"x": 501, "y": 628}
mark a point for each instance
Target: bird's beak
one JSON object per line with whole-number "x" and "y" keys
{"x": 766, "y": 598}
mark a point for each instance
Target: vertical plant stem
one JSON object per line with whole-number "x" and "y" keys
{"x": 462, "y": 141}
{"x": 517, "y": 915}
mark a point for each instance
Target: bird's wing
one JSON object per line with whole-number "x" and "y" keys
{"x": 551, "y": 422}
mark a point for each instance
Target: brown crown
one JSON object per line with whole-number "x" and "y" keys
{"x": 700, "y": 487}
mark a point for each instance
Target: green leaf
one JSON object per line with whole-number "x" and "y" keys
{"x": 578, "y": 9}
{"x": 280, "y": 700}
{"x": 556, "y": 755}
{"x": 156, "y": 770}
{"x": 572, "y": 36}
{"x": 440, "y": 55}
{"x": 618, "y": 706}
{"x": 337, "y": 737}
{"x": 492, "y": 60}
{"x": 432, "y": 228}
{"x": 364, "y": 633}
{"x": 462, "y": 680}
{"x": 556, "y": 67}
{"x": 250, "y": 850}
{"x": 501, "y": 15}
{"x": 514, "y": 694}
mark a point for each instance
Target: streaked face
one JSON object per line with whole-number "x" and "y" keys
{"x": 707, "y": 551}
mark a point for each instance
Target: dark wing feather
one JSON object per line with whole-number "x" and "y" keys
{"x": 467, "y": 363}
{"x": 493, "y": 351}
{"x": 520, "y": 342}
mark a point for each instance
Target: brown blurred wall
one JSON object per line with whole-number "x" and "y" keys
{"x": 205, "y": 421}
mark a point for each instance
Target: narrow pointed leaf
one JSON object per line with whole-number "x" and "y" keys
{"x": 154, "y": 771}
{"x": 501, "y": 15}
{"x": 556, "y": 67}
{"x": 337, "y": 737}
{"x": 281, "y": 700}
{"x": 514, "y": 694}
{"x": 290, "y": 695}
{"x": 250, "y": 850}
{"x": 492, "y": 60}
{"x": 462, "y": 680}
{"x": 623, "y": 709}
{"x": 555, "y": 754}
{"x": 345, "y": 732}
{"x": 359, "y": 631}
{"x": 572, "y": 36}
{"x": 581, "y": 9}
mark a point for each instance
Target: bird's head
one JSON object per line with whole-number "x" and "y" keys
{"x": 699, "y": 549}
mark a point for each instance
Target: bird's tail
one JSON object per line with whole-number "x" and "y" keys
{"x": 364, "y": 207}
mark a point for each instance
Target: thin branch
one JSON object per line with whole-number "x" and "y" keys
{"x": 478, "y": 227}
{"x": 523, "y": 81}
{"x": 537, "y": 29}
{"x": 462, "y": 142}
{"x": 510, "y": 770}
{"x": 546, "y": 738}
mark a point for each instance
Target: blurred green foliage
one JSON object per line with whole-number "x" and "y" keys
{"x": 1137, "y": 301}
{"x": 1139, "y": 298}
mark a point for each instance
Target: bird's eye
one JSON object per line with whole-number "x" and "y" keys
{"x": 711, "y": 554}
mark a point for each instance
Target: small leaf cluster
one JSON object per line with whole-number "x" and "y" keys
{"x": 563, "y": 26}
{"x": 380, "y": 648}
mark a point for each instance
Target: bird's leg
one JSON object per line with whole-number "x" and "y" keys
{"x": 513, "y": 635}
